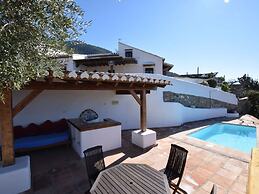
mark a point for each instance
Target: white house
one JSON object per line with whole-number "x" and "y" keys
{"x": 172, "y": 105}
{"x": 112, "y": 104}
{"x": 128, "y": 60}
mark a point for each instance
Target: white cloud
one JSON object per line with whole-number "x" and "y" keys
{"x": 226, "y": 1}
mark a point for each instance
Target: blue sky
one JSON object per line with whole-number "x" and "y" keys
{"x": 211, "y": 34}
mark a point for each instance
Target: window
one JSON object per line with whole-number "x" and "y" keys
{"x": 128, "y": 53}
{"x": 149, "y": 70}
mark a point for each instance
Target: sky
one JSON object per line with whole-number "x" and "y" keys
{"x": 214, "y": 35}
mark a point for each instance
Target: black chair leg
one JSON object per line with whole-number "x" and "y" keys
{"x": 175, "y": 186}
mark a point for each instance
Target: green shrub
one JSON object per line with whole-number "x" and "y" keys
{"x": 225, "y": 87}
{"x": 212, "y": 83}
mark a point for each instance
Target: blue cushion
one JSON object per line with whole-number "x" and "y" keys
{"x": 40, "y": 140}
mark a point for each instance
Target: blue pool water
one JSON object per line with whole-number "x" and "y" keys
{"x": 237, "y": 137}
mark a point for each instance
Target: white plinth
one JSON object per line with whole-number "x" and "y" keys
{"x": 16, "y": 178}
{"x": 143, "y": 139}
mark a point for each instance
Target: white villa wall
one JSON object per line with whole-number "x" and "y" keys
{"x": 54, "y": 105}
{"x": 129, "y": 68}
{"x": 143, "y": 58}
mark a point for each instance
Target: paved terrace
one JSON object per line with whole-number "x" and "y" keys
{"x": 60, "y": 170}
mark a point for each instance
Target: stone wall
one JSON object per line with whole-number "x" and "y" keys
{"x": 197, "y": 101}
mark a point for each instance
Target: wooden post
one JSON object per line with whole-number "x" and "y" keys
{"x": 143, "y": 111}
{"x": 6, "y": 127}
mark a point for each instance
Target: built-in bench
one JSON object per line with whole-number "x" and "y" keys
{"x": 47, "y": 134}
{"x": 253, "y": 177}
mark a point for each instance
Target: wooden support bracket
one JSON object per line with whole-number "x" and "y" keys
{"x": 133, "y": 93}
{"x": 24, "y": 102}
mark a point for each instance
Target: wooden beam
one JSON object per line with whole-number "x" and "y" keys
{"x": 133, "y": 93}
{"x": 90, "y": 85}
{"x": 6, "y": 127}
{"x": 99, "y": 83}
{"x": 127, "y": 92}
{"x": 143, "y": 111}
{"x": 21, "y": 105}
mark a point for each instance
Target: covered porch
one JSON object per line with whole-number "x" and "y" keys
{"x": 135, "y": 85}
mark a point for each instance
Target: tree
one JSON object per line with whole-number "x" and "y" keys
{"x": 31, "y": 33}
{"x": 253, "y": 98}
{"x": 248, "y": 83}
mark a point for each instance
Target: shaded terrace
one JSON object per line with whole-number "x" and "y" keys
{"x": 133, "y": 84}
{"x": 60, "y": 170}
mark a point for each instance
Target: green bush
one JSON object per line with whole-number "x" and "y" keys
{"x": 225, "y": 87}
{"x": 212, "y": 83}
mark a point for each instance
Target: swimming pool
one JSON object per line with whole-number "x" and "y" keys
{"x": 238, "y": 137}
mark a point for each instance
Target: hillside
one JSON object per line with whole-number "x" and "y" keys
{"x": 80, "y": 47}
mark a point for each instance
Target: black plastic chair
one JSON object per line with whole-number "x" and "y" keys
{"x": 214, "y": 190}
{"x": 175, "y": 165}
{"x": 94, "y": 163}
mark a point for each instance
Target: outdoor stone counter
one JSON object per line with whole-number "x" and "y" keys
{"x": 81, "y": 126}
{"x": 86, "y": 135}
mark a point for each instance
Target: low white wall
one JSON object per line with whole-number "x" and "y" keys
{"x": 165, "y": 114}
{"x": 54, "y": 105}
{"x": 108, "y": 137}
{"x": 16, "y": 178}
{"x": 185, "y": 87}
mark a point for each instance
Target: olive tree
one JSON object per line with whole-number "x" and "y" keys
{"x": 30, "y": 32}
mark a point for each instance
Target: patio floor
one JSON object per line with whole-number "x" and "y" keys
{"x": 60, "y": 170}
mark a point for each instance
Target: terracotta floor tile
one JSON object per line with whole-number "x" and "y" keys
{"x": 226, "y": 173}
{"x": 207, "y": 186}
{"x": 198, "y": 178}
{"x": 211, "y": 167}
{"x": 221, "y": 181}
{"x": 236, "y": 192}
{"x": 188, "y": 187}
{"x": 232, "y": 168}
{"x": 200, "y": 191}
{"x": 238, "y": 187}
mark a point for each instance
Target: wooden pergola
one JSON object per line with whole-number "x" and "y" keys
{"x": 134, "y": 84}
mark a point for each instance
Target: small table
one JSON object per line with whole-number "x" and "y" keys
{"x": 131, "y": 178}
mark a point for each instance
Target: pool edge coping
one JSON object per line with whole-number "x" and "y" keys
{"x": 185, "y": 137}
